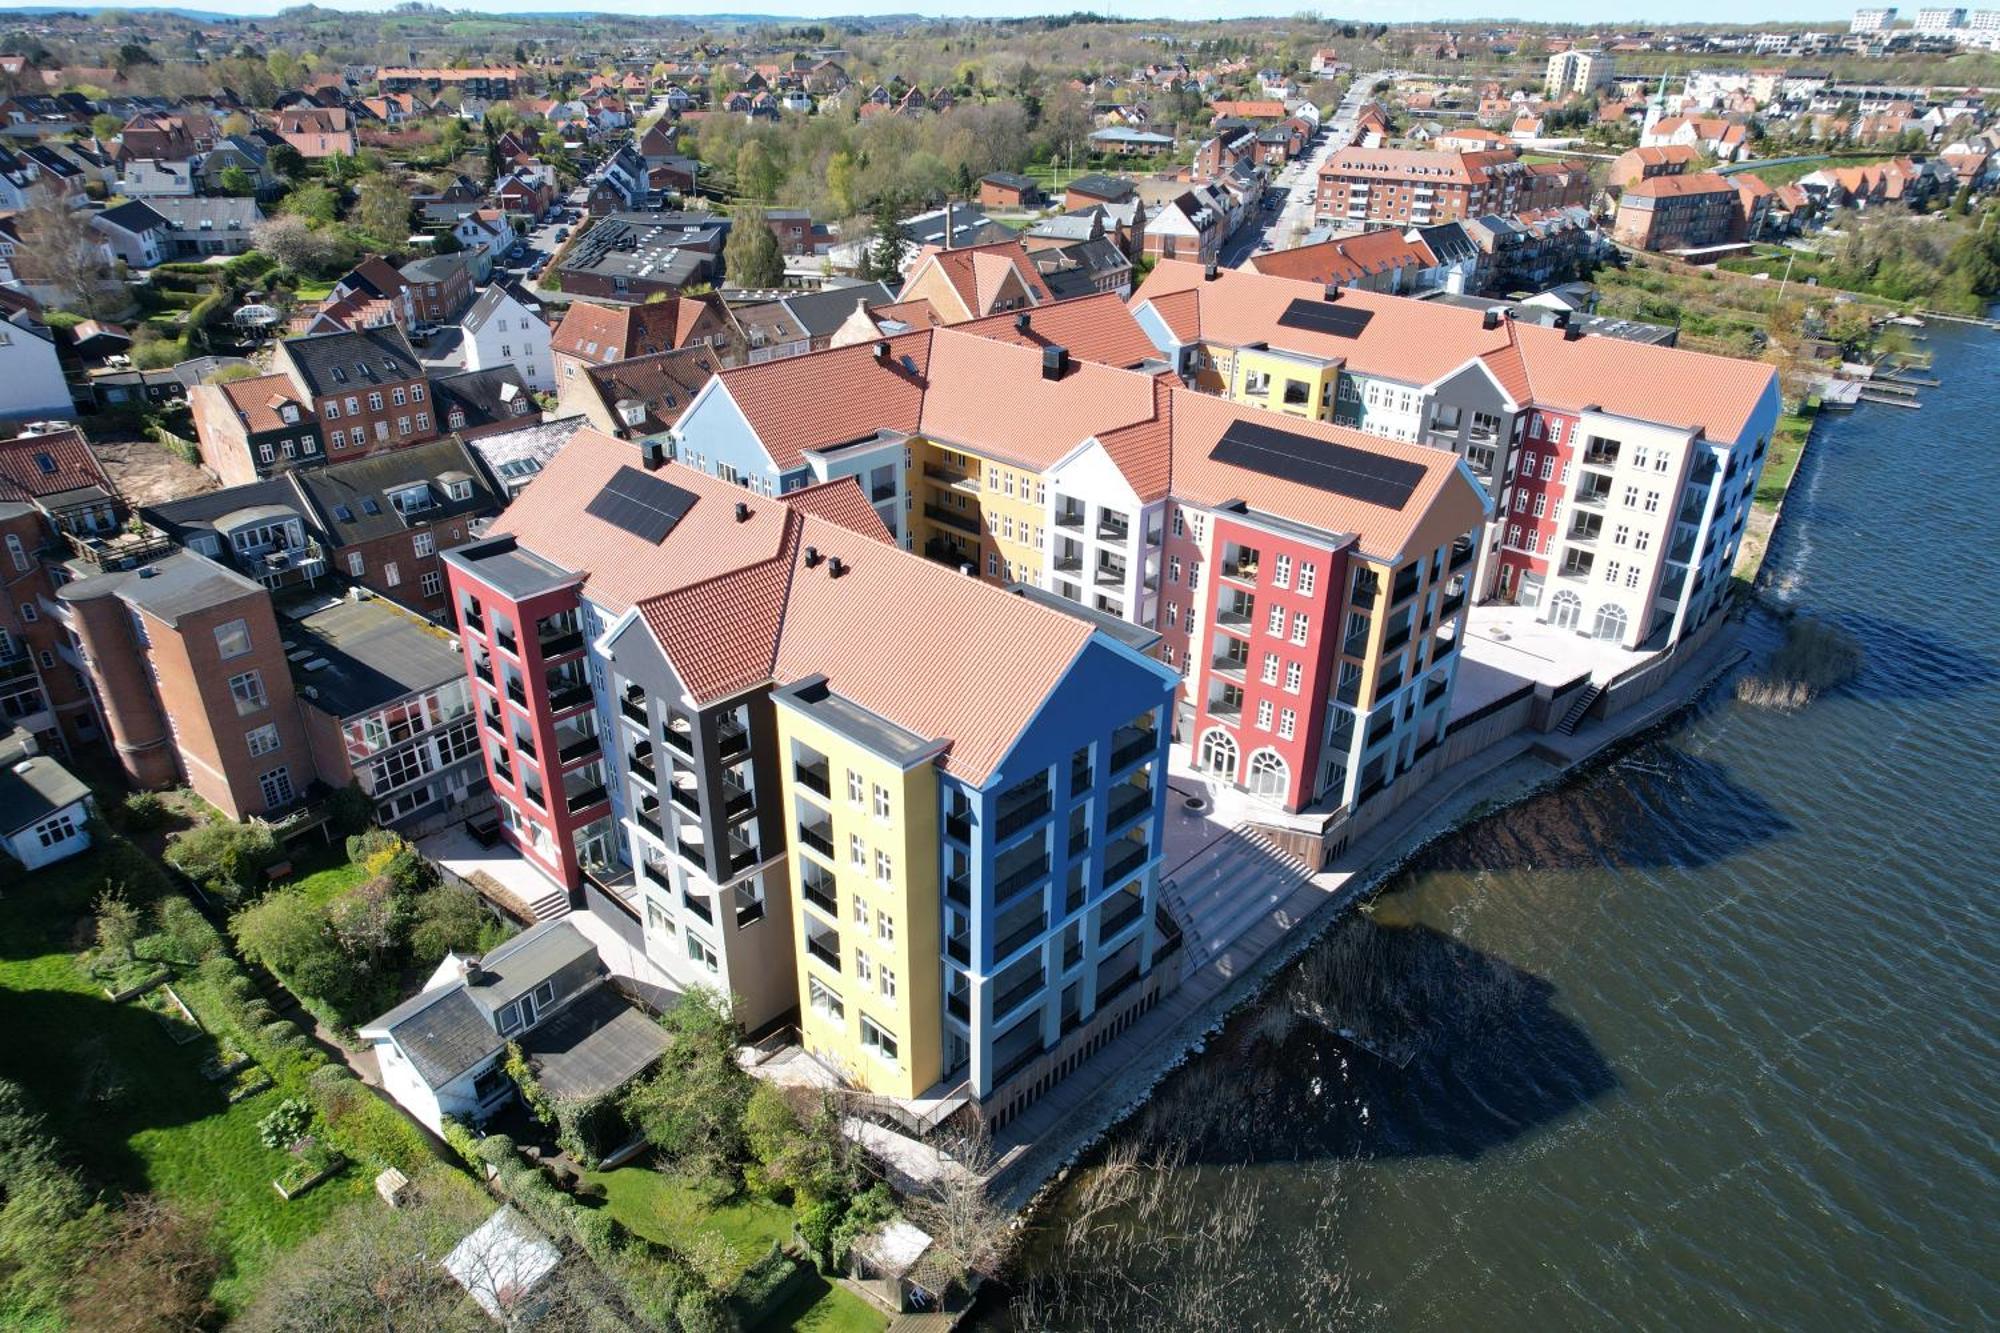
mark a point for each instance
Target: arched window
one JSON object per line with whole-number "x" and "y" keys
{"x": 1610, "y": 622}
{"x": 1269, "y": 774}
{"x": 1218, "y": 754}
{"x": 1565, "y": 609}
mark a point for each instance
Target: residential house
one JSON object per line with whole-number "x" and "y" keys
{"x": 516, "y": 456}
{"x": 641, "y": 397}
{"x": 596, "y": 335}
{"x": 1007, "y": 189}
{"x": 45, "y": 809}
{"x": 440, "y": 287}
{"x": 506, "y": 326}
{"x": 1637, "y": 164}
{"x": 1687, "y": 211}
{"x": 256, "y": 427}
{"x": 316, "y": 132}
{"x": 136, "y": 232}
{"x": 975, "y": 281}
{"x": 32, "y": 384}
{"x": 365, "y": 386}
{"x": 473, "y": 402}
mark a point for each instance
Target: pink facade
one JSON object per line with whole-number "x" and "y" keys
{"x": 1530, "y": 526}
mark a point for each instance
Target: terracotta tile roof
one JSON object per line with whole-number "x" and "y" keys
{"x": 1347, "y": 259}
{"x": 1446, "y": 501}
{"x": 1678, "y": 187}
{"x": 1181, "y": 311}
{"x": 1663, "y": 154}
{"x": 1420, "y": 342}
{"x": 978, "y": 274}
{"x": 917, "y": 314}
{"x": 601, "y": 333}
{"x": 37, "y": 465}
{"x": 721, "y": 634}
{"x": 842, "y": 504}
{"x": 1143, "y": 452}
{"x": 257, "y": 402}
{"x": 1098, "y": 328}
{"x": 831, "y": 397}
{"x": 990, "y": 397}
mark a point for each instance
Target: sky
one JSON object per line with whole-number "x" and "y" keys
{"x": 1628, "y": 12}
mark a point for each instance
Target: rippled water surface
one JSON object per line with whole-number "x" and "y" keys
{"x": 1707, "y": 1039}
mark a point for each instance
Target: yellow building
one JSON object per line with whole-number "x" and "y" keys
{"x": 1288, "y": 382}
{"x": 863, "y": 795}
{"x": 978, "y": 509}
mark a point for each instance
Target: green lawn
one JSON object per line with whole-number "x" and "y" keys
{"x": 131, "y": 1104}
{"x": 1786, "y": 445}
{"x": 822, "y": 1307}
{"x": 331, "y": 879}
{"x": 314, "y": 291}
{"x": 664, "y": 1208}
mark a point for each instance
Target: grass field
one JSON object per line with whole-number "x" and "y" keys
{"x": 1788, "y": 172}
{"x": 133, "y": 1106}
{"x": 822, "y": 1307}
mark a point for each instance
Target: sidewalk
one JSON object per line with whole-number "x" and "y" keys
{"x": 1080, "y": 1109}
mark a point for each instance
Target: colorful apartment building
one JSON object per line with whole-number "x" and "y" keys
{"x": 822, "y": 773}
{"x": 1482, "y": 386}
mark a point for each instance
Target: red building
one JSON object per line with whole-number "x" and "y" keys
{"x": 1529, "y": 530}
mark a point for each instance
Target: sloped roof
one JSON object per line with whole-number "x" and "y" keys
{"x": 38, "y": 465}
{"x": 663, "y": 384}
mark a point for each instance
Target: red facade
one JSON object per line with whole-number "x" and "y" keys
{"x": 1533, "y": 504}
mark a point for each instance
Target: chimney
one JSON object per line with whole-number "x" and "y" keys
{"x": 1561, "y": 319}
{"x": 1490, "y": 319}
{"x": 1055, "y": 361}
{"x": 1209, "y": 270}
{"x": 882, "y": 352}
{"x": 652, "y": 453}
{"x": 1572, "y": 331}
{"x": 949, "y": 223}
{"x": 1333, "y": 291}
{"x": 835, "y": 566}
{"x": 1021, "y": 322}
{"x": 742, "y": 512}
{"x": 968, "y": 571}
{"x": 812, "y": 557}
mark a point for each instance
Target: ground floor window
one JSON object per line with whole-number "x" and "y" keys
{"x": 1218, "y": 754}
{"x": 1565, "y": 609}
{"x": 1611, "y": 622}
{"x": 877, "y": 1038}
{"x": 699, "y": 952}
{"x": 276, "y": 786}
{"x": 1269, "y": 775}
{"x": 61, "y": 829}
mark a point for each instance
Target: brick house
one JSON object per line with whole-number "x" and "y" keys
{"x": 365, "y": 386}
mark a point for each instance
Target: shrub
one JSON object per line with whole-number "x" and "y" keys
{"x": 588, "y": 1128}
{"x": 194, "y": 939}
{"x": 362, "y": 845}
{"x": 461, "y": 1141}
{"x": 250, "y": 266}
{"x": 369, "y": 1128}
{"x": 449, "y": 918}
{"x": 225, "y": 858}
{"x": 286, "y": 1123}
{"x": 143, "y": 811}
{"x": 496, "y": 1150}
{"x": 764, "y": 1286}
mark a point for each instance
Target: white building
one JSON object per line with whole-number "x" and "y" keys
{"x": 32, "y": 386}
{"x": 44, "y": 809}
{"x": 1579, "y": 72}
{"x": 1940, "y": 22}
{"x": 1873, "y": 20}
{"x": 506, "y": 327}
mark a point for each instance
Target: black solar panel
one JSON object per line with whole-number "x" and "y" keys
{"x": 1321, "y": 464}
{"x": 641, "y": 504}
{"x": 1342, "y": 321}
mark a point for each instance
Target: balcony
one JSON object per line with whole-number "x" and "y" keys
{"x": 1069, "y": 517}
{"x": 1079, "y": 774}
{"x": 959, "y": 949}
{"x": 958, "y": 889}
{"x": 1116, "y": 986}
{"x": 1405, "y": 586}
{"x": 1576, "y": 566}
{"x": 680, "y": 735}
{"x": 469, "y": 618}
{"x": 1110, "y": 573}
{"x": 1127, "y": 913}
{"x": 699, "y": 906}
{"x": 813, "y": 776}
{"x": 827, "y": 953}
{"x": 491, "y": 717}
{"x": 504, "y": 639}
{"x": 1435, "y": 690}
{"x": 517, "y": 691}
{"x": 1600, "y": 453}
{"x": 503, "y": 773}
{"x": 1016, "y": 996}
{"x": 1593, "y": 497}
{"x": 585, "y": 797}
{"x": 650, "y": 823}
{"x": 956, "y": 1004}
{"x": 524, "y": 745}
{"x": 737, "y": 800}
{"x": 1012, "y": 883}
{"x": 731, "y": 739}
{"x": 632, "y": 703}
{"x": 1011, "y": 819}
{"x": 1127, "y": 804}
{"x": 484, "y": 670}
{"x": 640, "y": 762}
{"x": 1131, "y": 744}
{"x": 821, "y": 890}
{"x": 1079, "y": 841}
{"x": 1116, "y": 530}
{"x": 1124, "y": 861}
{"x": 1462, "y": 552}
{"x": 566, "y": 693}
{"x": 957, "y": 825}
{"x": 1235, "y": 611}
{"x": 1019, "y": 939}
{"x": 1242, "y": 567}
{"x": 1226, "y": 710}
{"x": 1449, "y": 607}
{"x": 1232, "y": 665}
{"x": 949, "y": 477}
{"x": 685, "y": 795}
{"x": 819, "y": 837}
{"x": 1019, "y": 1062}
{"x": 559, "y": 636}
{"x": 573, "y": 744}
{"x": 953, "y": 518}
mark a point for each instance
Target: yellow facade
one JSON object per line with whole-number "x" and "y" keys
{"x": 1283, "y": 382}
{"x": 885, "y": 866}
{"x": 990, "y": 513}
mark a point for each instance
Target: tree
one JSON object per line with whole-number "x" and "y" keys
{"x": 117, "y": 923}
{"x": 752, "y": 257}
{"x": 293, "y": 242}
{"x": 287, "y": 161}
{"x": 317, "y": 204}
{"x": 65, "y": 253}
{"x": 691, "y": 1108}
{"x": 382, "y": 209}
{"x": 886, "y": 253}
{"x": 756, "y": 173}
{"x": 105, "y": 126}
{"x": 237, "y": 181}
{"x": 840, "y": 184}
{"x": 152, "y": 1275}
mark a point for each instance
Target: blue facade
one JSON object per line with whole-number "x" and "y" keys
{"x": 714, "y": 436}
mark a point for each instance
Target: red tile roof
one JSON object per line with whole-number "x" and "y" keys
{"x": 1098, "y": 328}
{"x": 601, "y": 333}
{"x": 38, "y": 465}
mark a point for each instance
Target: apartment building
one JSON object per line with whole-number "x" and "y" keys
{"x": 597, "y": 335}
{"x": 973, "y": 281}
{"x": 823, "y": 773}
{"x": 1410, "y": 187}
{"x": 365, "y": 386}
{"x": 1687, "y": 211}
{"x": 1481, "y": 385}
{"x": 254, "y": 428}
{"x": 1580, "y": 72}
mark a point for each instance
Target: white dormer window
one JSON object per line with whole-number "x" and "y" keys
{"x": 459, "y": 490}
{"x": 288, "y": 414}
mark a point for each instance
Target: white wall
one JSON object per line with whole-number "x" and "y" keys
{"x": 31, "y": 379}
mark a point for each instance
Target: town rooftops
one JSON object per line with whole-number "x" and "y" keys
{"x": 495, "y": 298}
{"x": 471, "y": 399}
{"x": 57, "y": 463}
{"x": 181, "y": 518}
{"x": 1678, "y": 187}
{"x": 600, "y": 333}
{"x": 359, "y": 500}
{"x": 176, "y": 585}
{"x": 260, "y": 402}
{"x": 353, "y": 657}
{"x": 1420, "y": 342}
{"x": 441, "y": 1031}
{"x": 33, "y": 788}
{"x": 820, "y": 313}
{"x": 1097, "y": 328}
{"x": 647, "y": 394}
{"x": 350, "y": 360}
{"x": 1346, "y": 259}
{"x": 1010, "y": 180}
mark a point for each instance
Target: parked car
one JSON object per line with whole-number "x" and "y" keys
{"x": 562, "y": 234}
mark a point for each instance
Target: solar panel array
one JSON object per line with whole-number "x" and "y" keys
{"x": 641, "y": 504}
{"x": 1342, "y": 321}
{"x": 1337, "y": 468}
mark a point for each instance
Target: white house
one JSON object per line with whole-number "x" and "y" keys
{"x": 505, "y": 327}
{"x": 442, "y": 1053}
{"x": 44, "y": 809}
{"x": 32, "y": 387}
{"x": 148, "y": 176}
{"x": 487, "y": 238}
{"x": 137, "y": 233}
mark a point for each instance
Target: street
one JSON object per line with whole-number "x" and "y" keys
{"x": 1288, "y": 205}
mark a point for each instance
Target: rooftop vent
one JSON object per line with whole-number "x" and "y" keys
{"x": 1572, "y": 331}
{"x": 742, "y": 512}
{"x": 1209, "y": 271}
{"x": 1055, "y": 361}
{"x": 1490, "y": 320}
{"x": 835, "y": 566}
{"x": 1021, "y": 322}
{"x": 882, "y": 351}
{"x": 812, "y": 557}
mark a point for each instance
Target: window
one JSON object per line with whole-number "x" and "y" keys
{"x": 885, "y": 866}
{"x": 888, "y": 980}
{"x": 1548, "y": 466}
{"x": 354, "y": 407}
{"x": 1264, "y": 715}
{"x": 1520, "y": 502}
{"x": 263, "y": 740}
{"x": 861, "y": 966}
{"x": 1621, "y": 535}
{"x": 63, "y": 827}
{"x": 699, "y": 952}
{"x": 857, "y": 851}
{"x": 1642, "y": 541}
{"x": 424, "y": 423}
{"x": 423, "y": 544}
{"x": 1294, "y": 674}
{"x": 1173, "y": 567}
{"x": 232, "y": 639}
{"x": 374, "y": 402}
{"x": 1173, "y": 617}
{"x": 881, "y": 802}
{"x": 1288, "y": 722}
{"x": 1631, "y": 497}
{"x": 1308, "y": 576}
{"x": 885, "y": 927}
{"x": 1541, "y": 504}
{"x": 402, "y": 425}
{"x": 1299, "y": 625}
{"x": 1270, "y": 668}
{"x": 1513, "y": 534}
{"x": 1652, "y": 502}
{"x": 276, "y": 786}
{"x": 398, "y": 397}
{"x": 356, "y": 566}
{"x": 825, "y": 1002}
{"x": 1275, "y": 623}
{"x": 1281, "y": 574}
{"x": 992, "y": 565}
{"x": 248, "y": 691}
{"x": 264, "y": 452}
{"x": 17, "y": 553}
{"x": 29, "y": 614}
{"x": 333, "y": 409}
{"x": 432, "y": 583}
{"x": 877, "y": 1038}
{"x": 860, "y": 912}
{"x": 391, "y": 576}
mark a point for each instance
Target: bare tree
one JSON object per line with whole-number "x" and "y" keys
{"x": 65, "y": 254}
{"x": 959, "y": 1211}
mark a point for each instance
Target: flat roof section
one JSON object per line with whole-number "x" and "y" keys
{"x": 358, "y": 656}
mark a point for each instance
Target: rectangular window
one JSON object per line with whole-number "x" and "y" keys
{"x": 391, "y": 576}
{"x": 1281, "y": 574}
{"x": 263, "y": 740}
{"x": 422, "y": 544}
{"x": 888, "y": 980}
{"x": 374, "y": 402}
{"x": 877, "y": 1038}
{"x": 356, "y": 566}
{"x": 1541, "y": 504}
{"x": 699, "y": 952}
{"x": 881, "y": 802}
{"x": 1270, "y": 668}
{"x": 1264, "y": 715}
{"x": 62, "y": 828}
{"x": 825, "y": 1002}
{"x": 1548, "y": 466}
{"x": 885, "y": 927}
{"x": 248, "y": 691}
{"x": 232, "y": 639}
{"x": 885, "y": 866}
{"x": 432, "y": 583}
{"x": 1308, "y": 576}
{"x": 857, "y": 851}
{"x": 1288, "y": 722}
{"x": 1294, "y": 674}
{"x": 854, "y": 787}
{"x": 862, "y": 969}
{"x": 1520, "y": 502}
{"x": 1173, "y": 569}
{"x": 1299, "y": 624}
{"x": 423, "y": 421}
{"x": 1275, "y": 623}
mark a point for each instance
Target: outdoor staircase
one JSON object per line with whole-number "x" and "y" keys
{"x": 550, "y": 906}
{"x": 1226, "y": 889}
{"x": 1574, "y": 717}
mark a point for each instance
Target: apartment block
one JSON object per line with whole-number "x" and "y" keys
{"x": 1581, "y": 72}
{"x": 1415, "y": 188}
{"x": 1686, "y": 211}
{"x": 365, "y": 386}
{"x": 827, "y": 775}
{"x": 1493, "y": 391}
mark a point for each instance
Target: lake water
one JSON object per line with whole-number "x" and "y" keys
{"x": 1706, "y": 1039}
